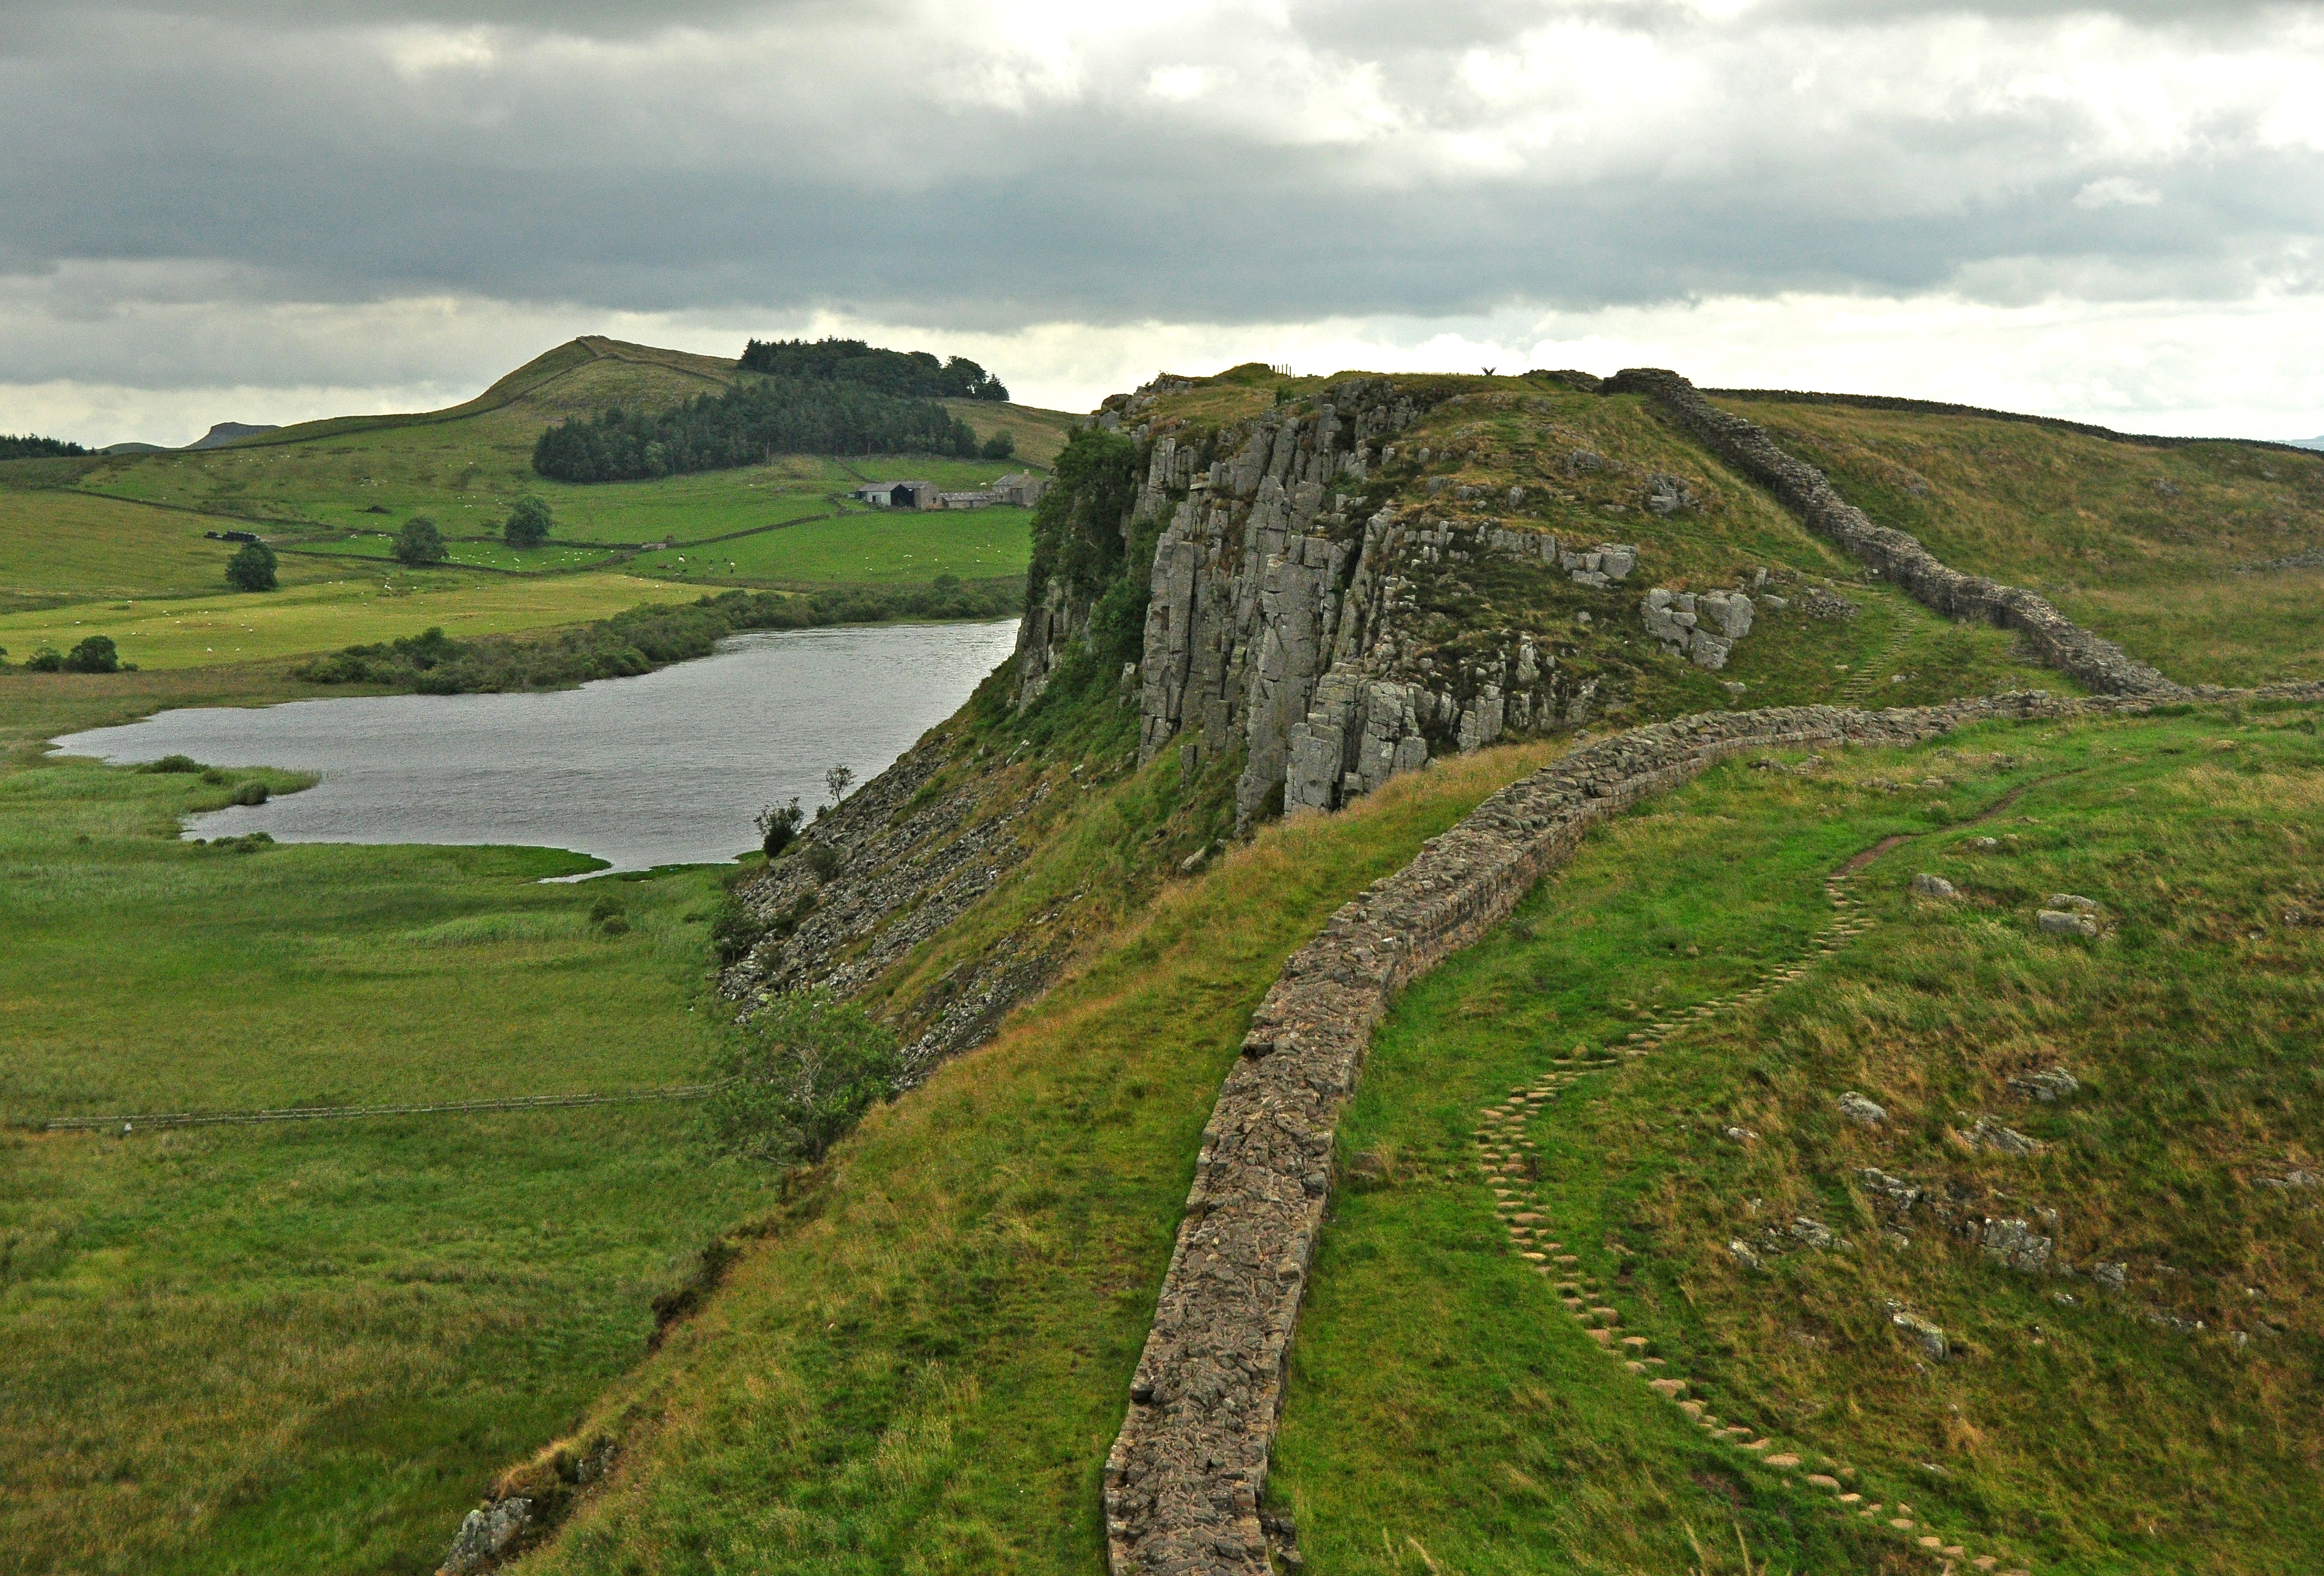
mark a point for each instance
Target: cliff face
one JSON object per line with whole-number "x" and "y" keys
{"x": 1287, "y": 621}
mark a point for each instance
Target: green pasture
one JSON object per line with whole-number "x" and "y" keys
{"x": 223, "y": 626}
{"x": 307, "y": 1347}
{"x": 866, "y": 548}
{"x": 59, "y": 547}
{"x": 1444, "y": 1406}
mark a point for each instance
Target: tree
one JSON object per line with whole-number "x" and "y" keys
{"x": 419, "y": 542}
{"x": 797, "y": 1077}
{"x": 837, "y": 780}
{"x": 46, "y": 660}
{"x": 251, "y": 568}
{"x": 778, "y": 826}
{"x": 999, "y": 446}
{"x": 95, "y": 654}
{"x": 528, "y": 523}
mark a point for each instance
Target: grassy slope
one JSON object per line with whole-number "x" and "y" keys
{"x": 301, "y": 1348}
{"x": 1442, "y": 1395}
{"x": 923, "y": 1370}
{"x": 2138, "y": 543}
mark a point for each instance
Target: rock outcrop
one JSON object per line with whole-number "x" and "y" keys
{"x": 2056, "y": 641}
{"x": 1280, "y": 626}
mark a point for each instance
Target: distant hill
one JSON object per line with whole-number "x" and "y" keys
{"x": 226, "y": 432}
{"x": 2308, "y": 443}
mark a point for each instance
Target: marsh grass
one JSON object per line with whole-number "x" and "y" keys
{"x": 1439, "y": 1391}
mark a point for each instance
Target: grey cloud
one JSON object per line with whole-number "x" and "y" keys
{"x": 265, "y": 152}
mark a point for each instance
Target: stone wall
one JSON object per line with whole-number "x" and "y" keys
{"x": 2056, "y": 641}
{"x": 1183, "y": 1479}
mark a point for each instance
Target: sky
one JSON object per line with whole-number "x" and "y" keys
{"x": 279, "y": 209}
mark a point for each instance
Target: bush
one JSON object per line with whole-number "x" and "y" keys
{"x": 250, "y": 793}
{"x": 999, "y": 446}
{"x": 797, "y": 1078}
{"x": 735, "y": 931}
{"x": 419, "y": 542}
{"x": 95, "y": 654}
{"x": 825, "y": 860}
{"x": 777, "y": 827}
{"x": 251, "y": 568}
{"x": 175, "y": 763}
{"x": 528, "y": 523}
{"x": 46, "y": 660}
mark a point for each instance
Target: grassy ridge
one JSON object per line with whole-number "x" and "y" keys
{"x": 923, "y": 1368}
{"x": 1442, "y": 1396}
{"x": 2138, "y": 543}
{"x": 302, "y": 1348}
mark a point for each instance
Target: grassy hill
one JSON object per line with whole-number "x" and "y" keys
{"x": 920, "y": 1351}
{"x": 111, "y": 544}
{"x": 2173, "y": 552}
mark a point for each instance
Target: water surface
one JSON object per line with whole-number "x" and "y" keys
{"x": 665, "y": 768}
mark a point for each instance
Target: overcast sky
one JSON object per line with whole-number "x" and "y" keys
{"x": 287, "y": 208}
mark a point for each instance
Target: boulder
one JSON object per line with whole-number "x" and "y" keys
{"x": 1667, "y": 495}
{"x": 2059, "y": 922}
{"x": 2048, "y": 1086}
{"x": 1861, "y": 1110}
{"x": 1988, "y": 1134}
{"x": 2111, "y": 1275}
{"x": 1740, "y": 1251}
{"x": 2073, "y": 902}
{"x": 1925, "y": 885}
{"x": 2015, "y": 1245}
{"x": 1813, "y": 1233}
{"x": 487, "y": 1534}
{"x": 1922, "y": 1333}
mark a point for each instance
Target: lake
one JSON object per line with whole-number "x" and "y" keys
{"x": 665, "y": 768}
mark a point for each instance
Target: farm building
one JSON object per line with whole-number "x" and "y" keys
{"x": 900, "y": 495}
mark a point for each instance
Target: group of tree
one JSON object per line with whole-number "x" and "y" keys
{"x": 749, "y": 425}
{"x": 95, "y": 654}
{"x": 913, "y": 374}
{"x": 29, "y": 447}
{"x": 421, "y": 542}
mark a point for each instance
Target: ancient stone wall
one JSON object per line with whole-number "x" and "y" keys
{"x": 1184, "y": 1479}
{"x": 2056, "y": 640}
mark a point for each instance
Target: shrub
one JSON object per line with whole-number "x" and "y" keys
{"x": 419, "y": 542}
{"x": 95, "y": 654}
{"x": 46, "y": 660}
{"x": 778, "y": 826}
{"x": 825, "y": 860}
{"x": 999, "y": 446}
{"x": 251, "y": 568}
{"x": 175, "y": 763}
{"x": 250, "y": 793}
{"x": 797, "y": 1078}
{"x": 528, "y": 523}
{"x": 735, "y": 930}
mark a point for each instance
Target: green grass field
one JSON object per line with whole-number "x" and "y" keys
{"x": 1442, "y": 1399}
{"x": 860, "y": 548}
{"x": 226, "y": 626}
{"x": 306, "y": 1348}
{"x": 2140, "y": 544}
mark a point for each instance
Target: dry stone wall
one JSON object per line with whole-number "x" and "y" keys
{"x": 1185, "y": 1474}
{"x": 2056, "y": 640}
